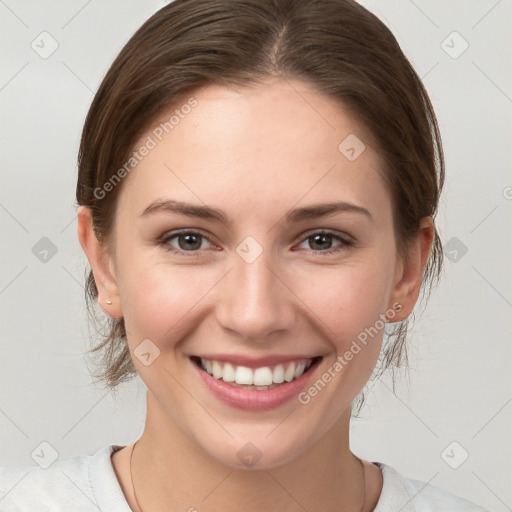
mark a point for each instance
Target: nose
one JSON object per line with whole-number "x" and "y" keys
{"x": 255, "y": 299}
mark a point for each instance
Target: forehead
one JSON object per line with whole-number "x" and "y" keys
{"x": 262, "y": 145}
{"x": 261, "y": 111}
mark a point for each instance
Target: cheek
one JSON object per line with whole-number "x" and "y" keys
{"x": 160, "y": 298}
{"x": 348, "y": 299}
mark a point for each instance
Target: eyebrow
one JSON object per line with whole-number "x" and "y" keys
{"x": 296, "y": 215}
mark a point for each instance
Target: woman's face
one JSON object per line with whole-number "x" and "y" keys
{"x": 261, "y": 287}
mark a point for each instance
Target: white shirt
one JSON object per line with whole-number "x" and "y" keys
{"x": 88, "y": 483}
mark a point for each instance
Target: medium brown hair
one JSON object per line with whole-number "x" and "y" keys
{"x": 337, "y": 46}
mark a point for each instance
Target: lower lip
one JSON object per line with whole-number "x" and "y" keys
{"x": 254, "y": 400}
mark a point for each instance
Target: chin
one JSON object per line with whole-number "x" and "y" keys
{"x": 259, "y": 451}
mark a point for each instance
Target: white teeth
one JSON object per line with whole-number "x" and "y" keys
{"x": 228, "y": 375}
{"x": 278, "y": 375}
{"x": 289, "y": 374}
{"x": 216, "y": 369}
{"x": 260, "y": 378}
{"x": 299, "y": 370}
{"x": 243, "y": 375}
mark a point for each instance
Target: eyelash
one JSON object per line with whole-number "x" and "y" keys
{"x": 164, "y": 242}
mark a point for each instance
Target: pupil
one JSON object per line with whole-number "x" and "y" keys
{"x": 321, "y": 239}
{"x": 192, "y": 241}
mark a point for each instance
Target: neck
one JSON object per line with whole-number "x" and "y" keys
{"x": 170, "y": 472}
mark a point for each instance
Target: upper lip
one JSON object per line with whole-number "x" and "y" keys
{"x": 256, "y": 362}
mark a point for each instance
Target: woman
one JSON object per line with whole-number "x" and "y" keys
{"x": 257, "y": 189}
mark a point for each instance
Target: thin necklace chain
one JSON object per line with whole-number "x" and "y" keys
{"x": 140, "y": 509}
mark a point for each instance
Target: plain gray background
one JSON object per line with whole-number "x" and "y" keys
{"x": 457, "y": 400}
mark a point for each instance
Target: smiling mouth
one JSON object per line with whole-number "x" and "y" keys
{"x": 262, "y": 378}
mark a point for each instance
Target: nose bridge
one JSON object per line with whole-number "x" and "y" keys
{"x": 254, "y": 301}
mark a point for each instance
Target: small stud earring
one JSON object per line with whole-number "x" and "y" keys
{"x": 109, "y": 302}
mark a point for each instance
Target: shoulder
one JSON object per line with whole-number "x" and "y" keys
{"x": 409, "y": 495}
{"x": 79, "y": 484}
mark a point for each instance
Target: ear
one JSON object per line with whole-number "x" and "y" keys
{"x": 409, "y": 271}
{"x": 101, "y": 262}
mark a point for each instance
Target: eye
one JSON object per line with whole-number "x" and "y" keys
{"x": 190, "y": 243}
{"x": 322, "y": 242}
{"x": 184, "y": 242}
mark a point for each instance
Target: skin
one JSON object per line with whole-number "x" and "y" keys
{"x": 255, "y": 154}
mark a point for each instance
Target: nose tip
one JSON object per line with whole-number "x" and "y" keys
{"x": 254, "y": 302}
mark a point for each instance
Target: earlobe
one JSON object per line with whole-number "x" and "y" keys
{"x": 409, "y": 274}
{"x": 101, "y": 264}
